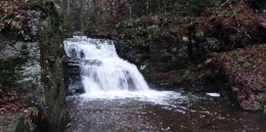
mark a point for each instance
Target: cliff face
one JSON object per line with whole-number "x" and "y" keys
{"x": 32, "y": 84}
{"x": 20, "y": 88}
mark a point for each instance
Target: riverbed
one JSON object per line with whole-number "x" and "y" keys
{"x": 181, "y": 114}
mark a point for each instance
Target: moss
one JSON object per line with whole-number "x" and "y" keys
{"x": 19, "y": 124}
{"x": 51, "y": 45}
{"x": 23, "y": 124}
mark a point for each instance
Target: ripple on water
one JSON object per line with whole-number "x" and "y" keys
{"x": 172, "y": 114}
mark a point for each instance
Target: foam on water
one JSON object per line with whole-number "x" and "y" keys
{"x": 106, "y": 76}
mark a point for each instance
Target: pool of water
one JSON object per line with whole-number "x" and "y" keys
{"x": 185, "y": 113}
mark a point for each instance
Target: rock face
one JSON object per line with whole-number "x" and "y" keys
{"x": 72, "y": 77}
{"x": 36, "y": 70}
{"x": 21, "y": 71}
{"x": 10, "y": 57}
{"x": 20, "y": 68}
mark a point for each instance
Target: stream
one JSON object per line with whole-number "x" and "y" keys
{"x": 116, "y": 97}
{"x": 133, "y": 115}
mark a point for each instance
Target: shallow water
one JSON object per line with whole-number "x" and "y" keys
{"x": 180, "y": 114}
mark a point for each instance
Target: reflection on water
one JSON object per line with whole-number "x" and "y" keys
{"x": 131, "y": 114}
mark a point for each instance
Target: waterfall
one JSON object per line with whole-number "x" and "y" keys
{"x": 102, "y": 70}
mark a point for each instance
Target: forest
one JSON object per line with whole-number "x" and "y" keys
{"x": 190, "y": 47}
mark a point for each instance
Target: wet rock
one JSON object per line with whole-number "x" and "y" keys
{"x": 73, "y": 77}
{"x": 9, "y": 50}
{"x": 20, "y": 67}
{"x": 20, "y": 70}
{"x": 30, "y": 71}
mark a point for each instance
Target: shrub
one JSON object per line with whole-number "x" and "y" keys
{"x": 17, "y": 19}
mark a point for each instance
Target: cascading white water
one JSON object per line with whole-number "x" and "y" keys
{"x": 105, "y": 75}
{"x": 101, "y": 68}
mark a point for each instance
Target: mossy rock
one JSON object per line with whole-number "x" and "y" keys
{"x": 16, "y": 122}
